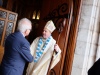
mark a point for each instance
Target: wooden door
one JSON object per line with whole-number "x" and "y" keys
{"x": 58, "y": 11}
{"x": 7, "y": 25}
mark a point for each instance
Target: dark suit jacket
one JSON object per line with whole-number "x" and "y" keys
{"x": 95, "y": 69}
{"x": 17, "y": 53}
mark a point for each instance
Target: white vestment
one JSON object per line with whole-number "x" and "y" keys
{"x": 41, "y": 67}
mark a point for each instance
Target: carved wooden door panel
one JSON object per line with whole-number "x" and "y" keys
{"x": 59, "y": 11}
{"x": 7, "y": 25}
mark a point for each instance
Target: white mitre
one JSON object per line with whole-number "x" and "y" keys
{"x": 50, "y": 26}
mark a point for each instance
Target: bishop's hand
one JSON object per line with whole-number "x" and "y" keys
{"x": 56, "y": 48}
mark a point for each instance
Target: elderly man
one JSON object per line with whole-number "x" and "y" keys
{"x": 42, "y": 49}
{"x": 17, "y": 50}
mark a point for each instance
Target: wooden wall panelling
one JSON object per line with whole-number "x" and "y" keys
{"x": 10, "y": 5}
{"x": 4, "y": 5}
{"x": 72, "y": 38}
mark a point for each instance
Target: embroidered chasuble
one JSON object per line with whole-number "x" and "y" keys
{"x": 42, "y": 56}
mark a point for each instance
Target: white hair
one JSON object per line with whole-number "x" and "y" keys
{"x": 24, "y": 24}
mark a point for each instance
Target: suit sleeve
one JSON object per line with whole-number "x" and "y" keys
{"x": 25, "y": 52}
